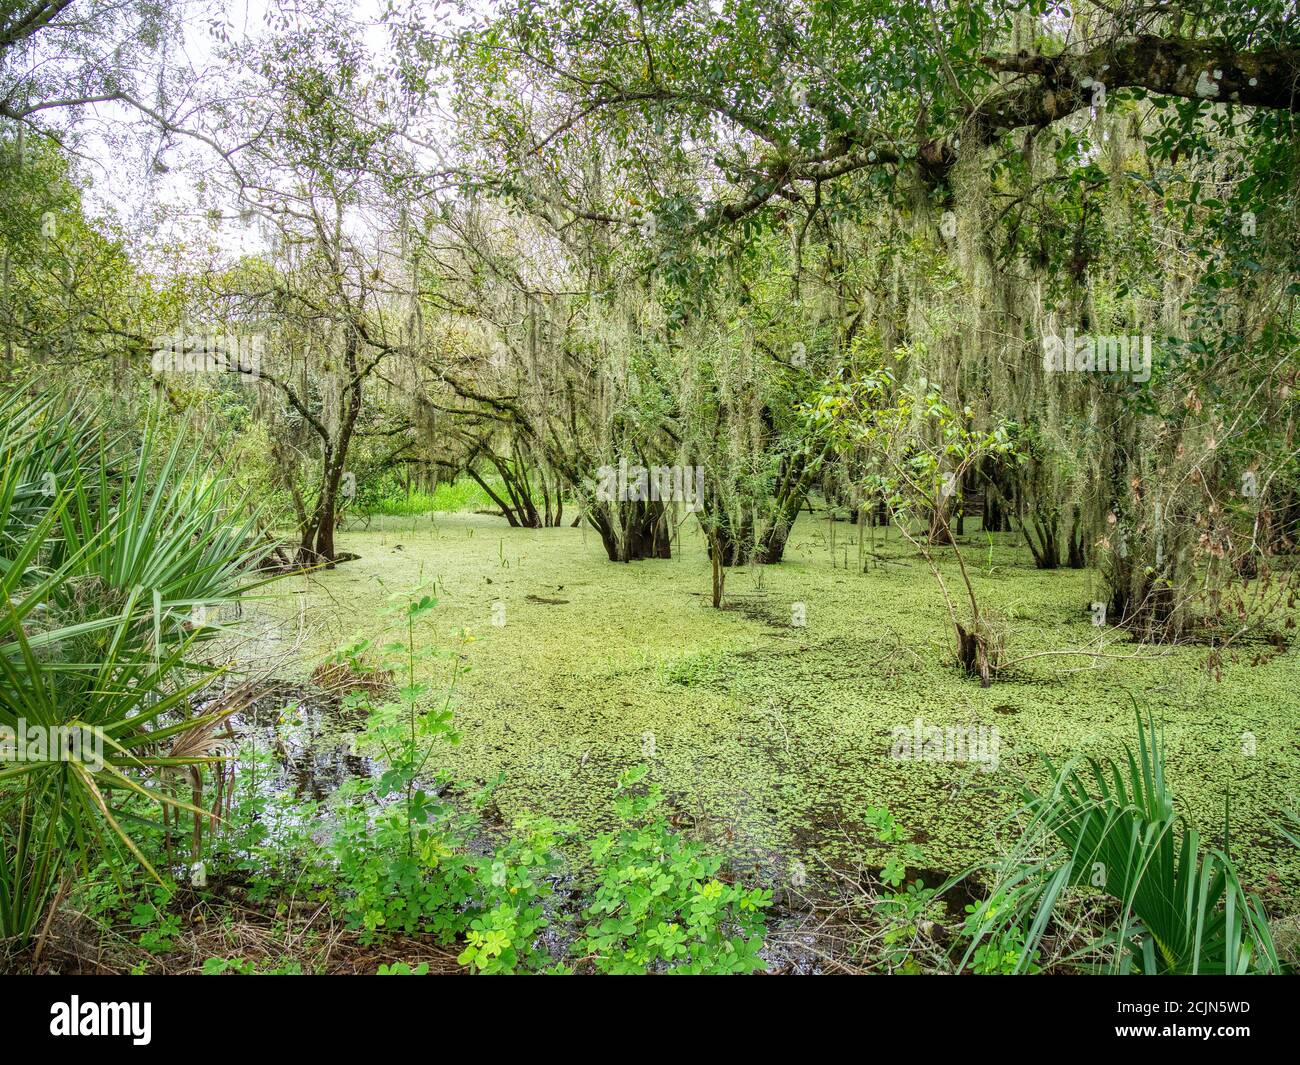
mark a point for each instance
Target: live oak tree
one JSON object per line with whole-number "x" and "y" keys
{"x": 1034, "y": 147}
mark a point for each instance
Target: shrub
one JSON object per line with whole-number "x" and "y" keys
{"x": 659, "y": 904}
{"x": 110, "y": 566}
{"x": 1112, "y": 828}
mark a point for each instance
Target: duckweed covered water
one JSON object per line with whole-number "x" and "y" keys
{"x": 776, "y": 738}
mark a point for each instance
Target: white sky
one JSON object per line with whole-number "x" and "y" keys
{"x": 161, "y": 209}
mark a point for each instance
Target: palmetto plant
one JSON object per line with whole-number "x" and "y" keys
{"x": 111, "y": 561}
{"x": 1111, "y": 827}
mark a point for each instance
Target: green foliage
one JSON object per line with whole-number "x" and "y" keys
{"x": 404, "y": 854}
{"x": 268, "y": 839}
{"x": 659, "y": 904}
{"x": 386, "y": 498}
{"x": 245, "y": 967}
{"x": 1001, "y": 955}
{"x": 112, "y": 569}
{"x": 400, "y": 848}
{"x": 917, "y": 445}
{"x": 399, "y": 872}
{"x": 405, "y": 864}
{"x": 158, "y": 927}
{"x": 1002, "y": 952}
{"x": 907, "y": 916}
{"x": 401, "y": 968}
{"x": 1112, "y": 828}
{"x": 512, "y": 889}
{"x": 888, "y": 831}
{"x": 69, "y": 288}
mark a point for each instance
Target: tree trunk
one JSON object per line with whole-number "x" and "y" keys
{"x": 971, "y": 655}
{"x": 1041, "y": 531}
{"x": 317, "y": 541}
{"x": 1077, "y": 554}
{"x": 719, "y": 573}
{"x": 633, "y": 531}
